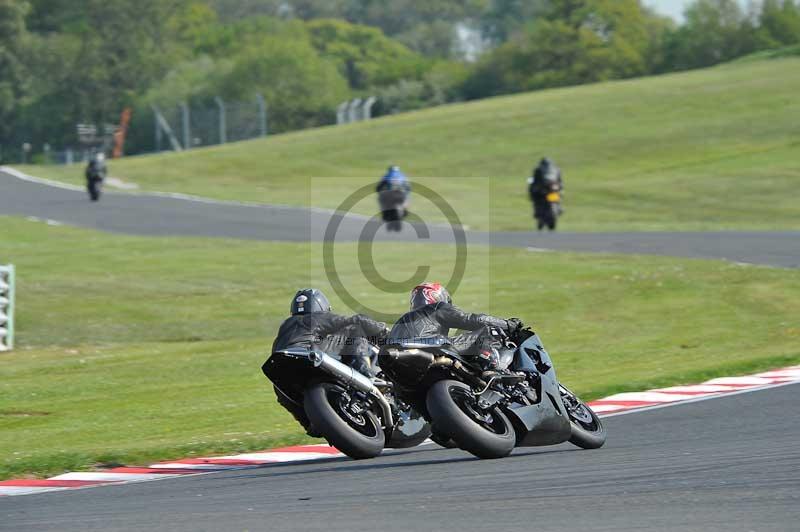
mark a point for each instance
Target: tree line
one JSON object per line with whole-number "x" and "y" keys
{"x": 69, "y": 61}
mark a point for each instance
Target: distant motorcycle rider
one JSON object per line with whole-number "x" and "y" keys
{"x": 96, "y": 169}
{"x": 95, "y": 173}
{"x": 546, "y": 178}
{"x": 312, "y": 325}
{"x": 433, "y": 314}
{"x": 393, "y": 194}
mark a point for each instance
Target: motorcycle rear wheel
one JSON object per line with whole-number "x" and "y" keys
{"x": 358, "y": 435}
{"x": 552, "y": 216}
{"x": 588, "y": 431}
{"x": 443, "y": 441}
{"x": 455, "y": 413}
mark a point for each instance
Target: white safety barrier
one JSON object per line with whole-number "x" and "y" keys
{"x": 6, "y": 308}
{"x": 355, "y": 110}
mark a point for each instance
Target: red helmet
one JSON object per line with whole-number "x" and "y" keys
{"x": 429, "y": 293}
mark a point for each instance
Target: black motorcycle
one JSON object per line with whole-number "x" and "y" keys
{"x": 95, "y": 176}
{"x": 549, "y": 208}
{"x": 393, "y": 208}
{"x": 94, "y": 187}
{"x": 490, "y": 413}
{"x": 355, "y": 414}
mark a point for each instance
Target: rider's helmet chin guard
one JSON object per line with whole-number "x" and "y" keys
{"x": 309, "y": 301}
{"x": 428, "y": 294}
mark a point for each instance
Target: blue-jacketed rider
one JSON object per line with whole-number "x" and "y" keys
{"x": 393, "y": 194}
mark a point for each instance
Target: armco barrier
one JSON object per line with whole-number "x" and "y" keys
{"x": 6, "y": 308}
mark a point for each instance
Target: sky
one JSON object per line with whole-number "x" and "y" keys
{"x": 673, "y": 8}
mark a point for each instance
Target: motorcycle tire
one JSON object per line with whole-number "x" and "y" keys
{"x": 484, "y": 434}
{"x": 443, "y": 441}
{"x": 588, "y": 431}
{"x": 358, "y": 436}
{"x": 552, "y": 216}
{"x": 94, "y": 192}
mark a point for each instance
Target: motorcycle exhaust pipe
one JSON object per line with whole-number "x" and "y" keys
{"x": 351, "y": 377}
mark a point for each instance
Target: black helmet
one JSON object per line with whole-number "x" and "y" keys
{"x": 429, "y": 293}
{"x": 308, "y": 301}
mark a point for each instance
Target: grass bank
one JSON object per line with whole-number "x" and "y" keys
{"x": 138, "y": 349}
{"x": 708, "y": 149}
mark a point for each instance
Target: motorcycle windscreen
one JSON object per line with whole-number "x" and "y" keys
{"x": 547, "y": 422}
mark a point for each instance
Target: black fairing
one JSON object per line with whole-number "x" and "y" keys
{"x": 547, "y": 421}
{"x": 291, "y": 374}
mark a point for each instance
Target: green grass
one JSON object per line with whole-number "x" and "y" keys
{"x": 135, "y": 349}
{"x": 710, "y": 149}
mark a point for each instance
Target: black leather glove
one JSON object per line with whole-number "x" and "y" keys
{"x": 514, "y": 325}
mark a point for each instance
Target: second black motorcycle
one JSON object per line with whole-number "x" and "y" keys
{"x": 490, "y": 413}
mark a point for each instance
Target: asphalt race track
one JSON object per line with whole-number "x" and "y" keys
{"x": 154, "y": 214}
{"x": 725, "y": 464}
{"x": 728, "y": 464}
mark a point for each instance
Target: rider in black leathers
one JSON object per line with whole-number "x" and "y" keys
{"x": 96, "y": 168}
{"x": 432, "y": 316}
{"x": 312, "y": 325}
{"x": 95, "y": 174}
{"x": 545, "y": 175}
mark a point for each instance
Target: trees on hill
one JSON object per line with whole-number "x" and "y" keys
{"x": 14, "y": 76}
{"x": 779, "y": 24}
{"x": 573, "y": 41}
{"x": 69, "y": 61}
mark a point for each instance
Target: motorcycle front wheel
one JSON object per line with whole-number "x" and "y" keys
{"x": 588, "y": 431}
{"x": 455, "y": 413}
{"x": 94, "y": 191}
{"x": 345, "y": 422}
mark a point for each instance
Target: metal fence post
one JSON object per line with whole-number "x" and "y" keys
{"x": 7, "y": 285}
{"x": 187, "y": 134}
{"x": 262, "y": 114}
{"x": 352, "y": 111}
{"x": 223, "y": 121}
{"x": 159, "y": 133}
{"x": 162, "y": 123}
{"x": 366, "y": 111}
{"x": 341, "y": 112}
